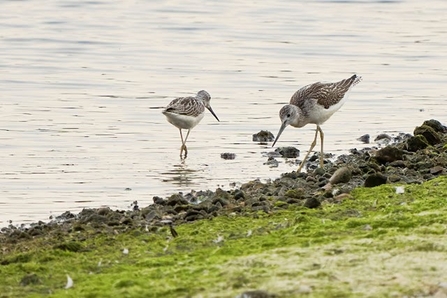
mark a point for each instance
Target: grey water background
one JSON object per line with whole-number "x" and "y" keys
{"x": 83, "y": 83}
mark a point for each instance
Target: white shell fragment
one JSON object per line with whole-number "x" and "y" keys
{"x": 69, "y": 282}
{"x": 400, "y": 189}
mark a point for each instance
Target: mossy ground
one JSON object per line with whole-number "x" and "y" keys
{"x": 374, "y": 243}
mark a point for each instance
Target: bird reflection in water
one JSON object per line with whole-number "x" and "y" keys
{"x": 181, "y": 175}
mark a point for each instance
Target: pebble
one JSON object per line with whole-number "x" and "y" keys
{"x": 364, "y": 139}
{"x": 263, "y": 136}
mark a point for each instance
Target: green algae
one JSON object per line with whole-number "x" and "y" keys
{"x": 375, "y": 243}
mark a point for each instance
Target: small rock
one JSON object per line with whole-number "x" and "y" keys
{"x": 364, "y": 139}
{"x": 375, "y": 179}
{"x": 227, "y": 155}
{"x": 436, "y": 125}
{"x": 177, "y": 199}
{"x": 159, "y": 201}
{"x": 416, "y": 143}
{"x": 388, "y": 154}
{"x": 383, "y": 138}
{"x": 288, "y": 152}
{"x": 398, "y": 164}
{"x": 312, "y": 203}
{"x": 294, "y": 193}
{"x": 271, "y": 162}
{"x": 263, "y": 136}
{"x": 239, "y": 194}
{"x": 342, "y": 197}
{"x": 152, "y": 215}
{"x": 436, "y": 170}
{"x": 429, "y": 133}
{"x": 104, "y": 211}
{"x": 401, "y": 137}
{"x": 342, "y": 175}
{"x": 394, "y": 178}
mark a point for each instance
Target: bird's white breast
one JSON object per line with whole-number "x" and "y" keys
{"x": 183, "y": 121}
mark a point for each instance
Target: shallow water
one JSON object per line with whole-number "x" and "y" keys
{"x": 83, "y": 84}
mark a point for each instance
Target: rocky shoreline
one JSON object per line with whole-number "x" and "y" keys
{"x": 410, "y": 159}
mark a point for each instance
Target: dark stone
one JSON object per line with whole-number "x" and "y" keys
{"x": 180, "y": 208}
{"x": 436, "y": 170}
{"x": 436, "y": 125}
{"x": 263, "y": 136}
{"x": 239, "y": 194}
{"x": 364, "y": 139}
{"x": 402, "y": 137}
{"x": 288, "y": 152}
{"x": 159, "y": 201}
{"x": 342, "y": 175}
{"x": 66, "y": 215}
{"x": 394, "y": 178}
{"x": 398, "y": 164}
{"x": 375, "y": 179}
{"x": 312, "y": 202}
{"x": 93, "y": 218}
{"x": 271, "y": 162}
{"x": 192, "y": 212}
{"x": 177, "y": 199}
{"x": 388, "y": 154}
{"x": 152, "y": 215}
{"x": 383, "y": 136}
{"x": 429, "y": 133}
{"x": 104, "y": 211}
{"x": 36, "y": 231}
{"x": 228, "y": 156}
{"x": 221, "y": 196}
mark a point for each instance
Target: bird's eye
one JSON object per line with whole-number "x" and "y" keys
{"x": 288, "y": 115}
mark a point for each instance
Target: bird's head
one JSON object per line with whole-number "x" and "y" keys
{"x": 206, "y": 98}
{"x": 288, "y": 114}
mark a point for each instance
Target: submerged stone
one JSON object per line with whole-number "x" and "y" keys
{"x": 263, "y": 136}
{"x": 288, "y": 152}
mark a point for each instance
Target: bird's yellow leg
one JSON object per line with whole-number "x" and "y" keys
{"x": 321, "y": 153}
{"x": 183, "y": 143}
{"x": 308, "y": 152}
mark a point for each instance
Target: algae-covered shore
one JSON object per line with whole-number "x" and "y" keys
{"x": 372, "y": 224}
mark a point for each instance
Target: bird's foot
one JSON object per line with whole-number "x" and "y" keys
{"x": 183, "y": 148}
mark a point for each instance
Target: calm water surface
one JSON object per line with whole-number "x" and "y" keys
{"x": 83, "y": 84}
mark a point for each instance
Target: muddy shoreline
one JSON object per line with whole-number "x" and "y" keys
{"x": 407, "y": 159}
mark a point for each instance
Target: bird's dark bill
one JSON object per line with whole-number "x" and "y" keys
{"x": 283, "y": 126}
{"x": 212, "y": 112}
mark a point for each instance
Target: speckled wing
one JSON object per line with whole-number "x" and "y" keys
{"x": 188, "y": 106}
{"x": 325, "y": 94}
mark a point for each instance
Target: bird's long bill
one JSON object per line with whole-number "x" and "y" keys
{"x": 212, "y": 112}
{"x": 281, "y": 129}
